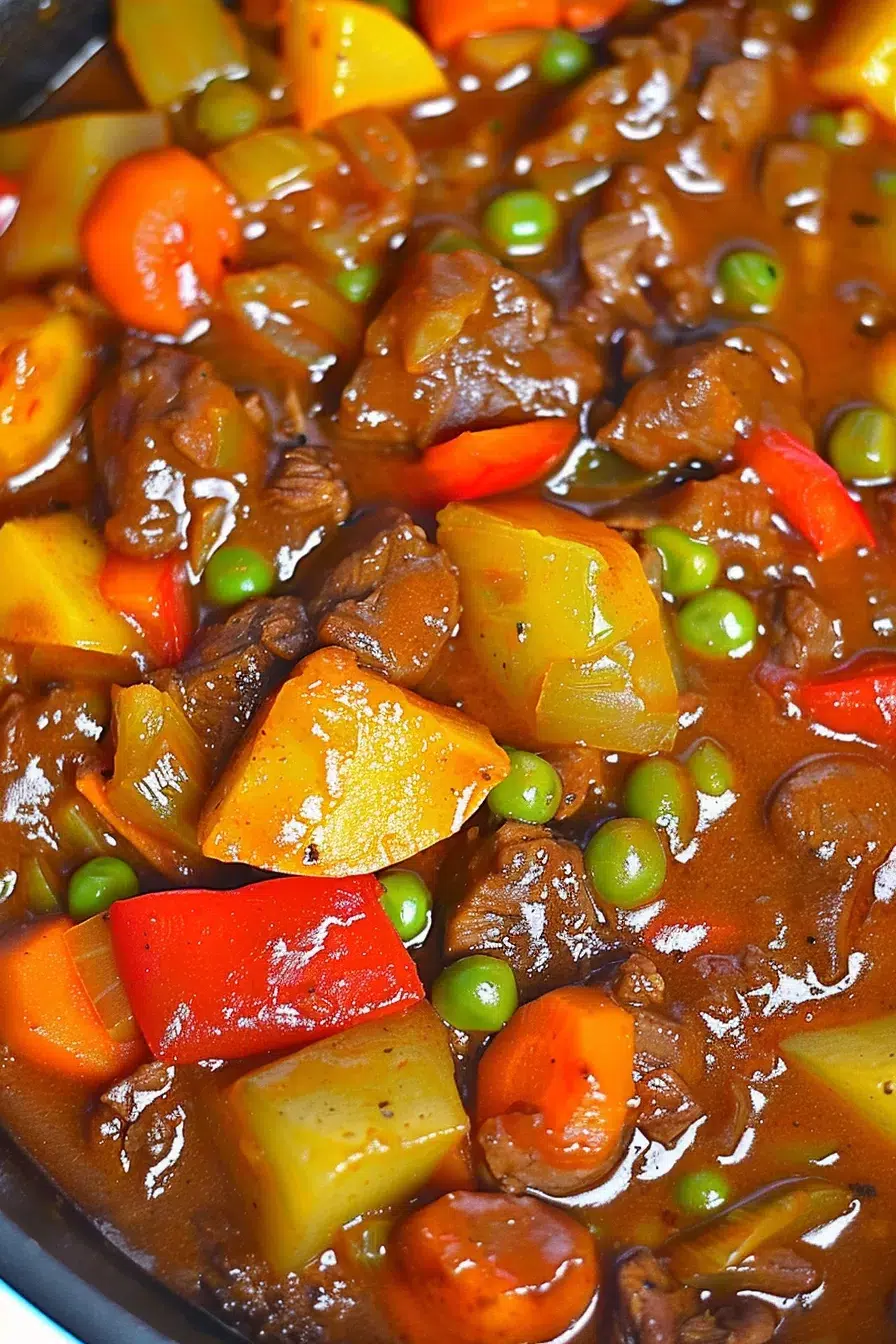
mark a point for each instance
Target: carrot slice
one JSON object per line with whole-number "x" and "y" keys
{"x": 155, "y": 593}
{"x": 559, "y": 1076}
{"x": 591, "y": 13}
{"x": 156, "y": 236}
{"x": 490, "y": 1267}
{"x": 447, "y": 22}
{"x": 46, "y": 1016}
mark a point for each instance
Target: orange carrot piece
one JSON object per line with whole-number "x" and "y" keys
{"x": 447, "y": 22}
{"x": 46, "y": 1016}
{"x": 501, "y": 1268}
{"x": 156, "y": 236}
{"x": 155, "y": 593}
{"x": 560, "y": 1076}
{"x": 582, "y": 14}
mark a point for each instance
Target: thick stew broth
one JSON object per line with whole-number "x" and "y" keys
{"x": 258, "y": 421}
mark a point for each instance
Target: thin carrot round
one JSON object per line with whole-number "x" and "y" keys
{"x": 156, "y": 236}
{"x": 489, "y": 1269}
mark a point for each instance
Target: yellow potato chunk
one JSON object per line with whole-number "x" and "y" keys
{"x": 50, "y": 598}
{"x": 46, "y": 365}
{"x": 858, "y": 1062}
{"x": 348, "y": 1125}
{"x": 344, "y": 773}
{"x": 559, "y": 616}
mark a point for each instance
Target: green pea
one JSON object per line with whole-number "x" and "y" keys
{"x": 718, "y": 624}
{"x": 711, "y": 768}
{"x": 227, "y": 109}
{"x": 94, "y": 886}
{"x": 564, "y": 57}
{"x": 689, "y": 566}
{"x": 661, "y": 791}
{"x": 476, "y": 994}
{"x": 357, "y": 285}
{"x": 862, "y": 445}
{"x": 702, "y": 1191}
{"x": 626, "y": 862}
{"x": 750, "y": 281}
{"x": 407, "y": 901}
{"x": 236, "y": 573}
{"x": 531, "y": 792}
{"x": 885, "y": 182}
{"x": 521, "y": 223}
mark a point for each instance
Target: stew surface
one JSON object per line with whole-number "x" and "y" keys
{"x": 448, "y": 664}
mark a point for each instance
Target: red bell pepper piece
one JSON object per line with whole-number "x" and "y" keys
{"x": 493, "y": 461}
{"x": 9, "y": 202}
{"x": 860, "y": 702}
{"x": 808, "y": 491}
{"x": 155, "y": 594}
{"x": 273, "y": 966}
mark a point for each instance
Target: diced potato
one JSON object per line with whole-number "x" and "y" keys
{"x": 344, "y": 56}
{"x": 176, "y": 47}
{"x": 272, "y": 163}
{"x": 857, "y": 1062}
{"x": 50, "y": 598}
{"x": 857, "y": 59}
{"x": 344, "y": 773}
{"x": 348, "y": 1125}
{"x": 70, "y": 158}
{"x": 561, "y": 619}
{"x": 161, "y": 774}
{"x": 19, "y": 146}
{"x": 46, "y": 365}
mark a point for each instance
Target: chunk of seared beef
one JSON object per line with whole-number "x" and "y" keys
{"x": 232, "y": 666}
{"x": 304, "y": 502}
{"x": 528, "y": 901}
{"x": 652, "y": 1306}
{"x": 393, "y": 602}
{"x": 171, "y": 440}
{"x": 703, "y": 399}
{"x": 804, "y": 635}
{"x": 463, "y": 341}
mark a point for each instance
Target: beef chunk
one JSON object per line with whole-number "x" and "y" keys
{"x": 653, "y": 1306}
{"x": 304, "y": 502}
{"x": 663, "y": 1042}
{"x": 393, "y": 602}
{"x": 833, "y": 817}
{"x": 232, "y": 667}
{"x": 734, "y": 515}
{"x": 667, "y": 1107}
{"x": 171, "y": 440}
{"x": 804, "y": 634}
{"x": 835, "y": 811}
{"x": 528, "y": 901}
{"x": 702, "y": 401}
{"x": 639, "y": 983}
{"x": 463, "y": 342}
{"x": 744, "y": 1321}
{"x": 635, "y": 256}
{"x": 144, "y": 1118}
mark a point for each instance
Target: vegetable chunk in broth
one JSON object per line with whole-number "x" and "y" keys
{"x": 448, "y": 664}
